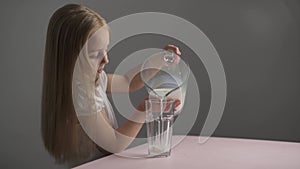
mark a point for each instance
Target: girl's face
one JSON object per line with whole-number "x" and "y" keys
{"x": 97, "y": 47}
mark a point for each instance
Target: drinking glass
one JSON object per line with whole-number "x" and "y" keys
{"x": 159, "y": 122}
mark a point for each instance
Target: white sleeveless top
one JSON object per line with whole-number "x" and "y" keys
{"x": 101, "y": 99}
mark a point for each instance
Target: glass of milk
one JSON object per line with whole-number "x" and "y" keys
{"x": 159, "y": 122}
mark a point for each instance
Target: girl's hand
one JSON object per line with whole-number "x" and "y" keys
{"x": 177, "y": 102}
{"x": 141, "y": 106}
{"x": 176, "y": 51}
{"x": 174, "y": 48}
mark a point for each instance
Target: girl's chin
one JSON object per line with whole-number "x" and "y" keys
{"x": 99, "y": 70}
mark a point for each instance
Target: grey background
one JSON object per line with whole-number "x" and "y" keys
{"x": 258, "y": 43}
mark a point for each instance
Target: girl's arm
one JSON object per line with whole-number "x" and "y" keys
{"x": 100, "y": 130}
{"x": 131, "y": 81}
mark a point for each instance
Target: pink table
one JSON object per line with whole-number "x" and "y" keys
{"x": 216, "y": 153}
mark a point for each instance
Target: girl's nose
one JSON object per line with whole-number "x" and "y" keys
{"x": 104, "y": 60}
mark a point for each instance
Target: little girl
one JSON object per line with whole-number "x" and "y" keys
{"x": 74, "y": 90}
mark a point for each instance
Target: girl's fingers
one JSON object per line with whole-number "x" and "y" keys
{"x": 174, "y": 48}
{"x": 177, "y": 103}
{"x": 167, "y": 108}
{"x": 177, "y": 52}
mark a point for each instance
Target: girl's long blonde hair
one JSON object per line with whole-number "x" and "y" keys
{"x": 68, "y": 30}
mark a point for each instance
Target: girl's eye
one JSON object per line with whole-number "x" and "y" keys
{"x": 93, "y": 56}
{"x": 98, "y": 55}
{"x": 103, "y": 51}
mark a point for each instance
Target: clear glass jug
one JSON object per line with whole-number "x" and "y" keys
{"x": 165, "y": 76}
